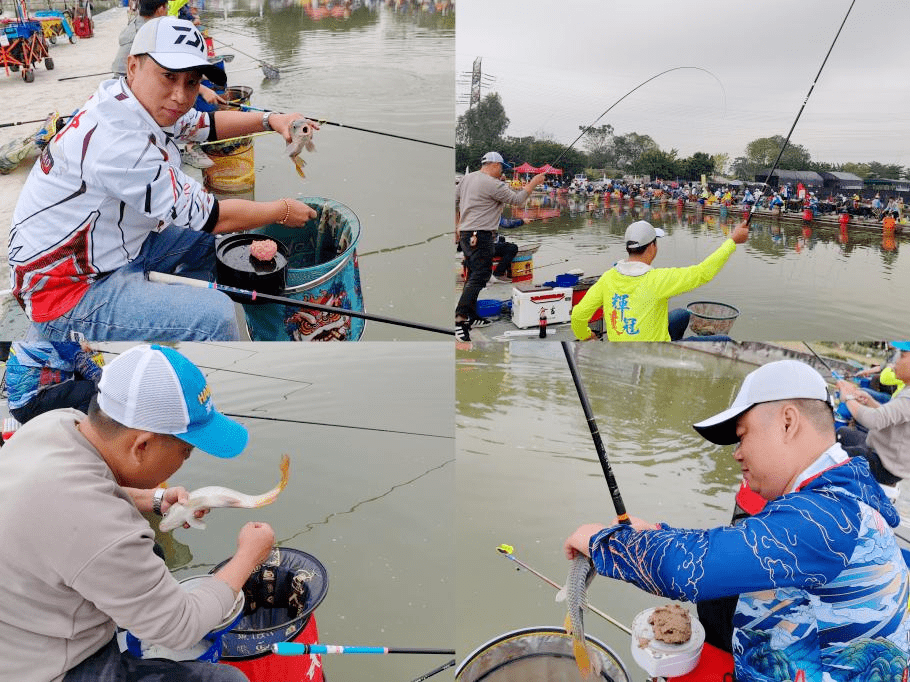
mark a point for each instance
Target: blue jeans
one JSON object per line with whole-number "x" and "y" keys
{"x": 109, "y": 665}
{"x": 125, "y": 306}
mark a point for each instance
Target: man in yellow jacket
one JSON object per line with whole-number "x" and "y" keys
{"x": 634, "y": 295}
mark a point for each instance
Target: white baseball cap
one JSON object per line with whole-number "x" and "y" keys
{"x": 781, "y": 380}
{"x": 495, "y": 157}
{"x": 641, "y": 233}
{"x": 154, "y": 388}
{"x": 176, "y": 45}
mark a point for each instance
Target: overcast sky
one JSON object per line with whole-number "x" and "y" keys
{"x": 559, "y": 64}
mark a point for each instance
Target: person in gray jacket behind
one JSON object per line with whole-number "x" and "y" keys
{"x": 479, "y": 199}
{"x": 78, "y": 559}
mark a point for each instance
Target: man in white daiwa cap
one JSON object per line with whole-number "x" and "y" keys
{"x": 634, "y": 296}
{"x": 108, "y": 203}
{"x": 78, "y": 556}
{"x": 817, "y": 576}
{"x": 479, "y": 199}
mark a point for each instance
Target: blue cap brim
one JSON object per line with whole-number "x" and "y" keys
{"x": 901, "y": 345}
{"x": 219, "y": 436}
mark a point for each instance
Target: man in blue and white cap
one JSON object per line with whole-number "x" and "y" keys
{"x": 78, "y": 557}
{"x": 107, "y": 202}
{"x": 821, "y": 582}
{"x": 479, "y": 199}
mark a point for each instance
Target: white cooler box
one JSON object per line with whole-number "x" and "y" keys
{"x": 528, "y": 301}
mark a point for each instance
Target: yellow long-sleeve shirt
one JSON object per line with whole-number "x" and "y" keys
{"x": 634, "y": 299}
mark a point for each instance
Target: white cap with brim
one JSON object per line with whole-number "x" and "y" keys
{"x": 176, "y": 45}
{"x": 495, "y": 157}
{"x": 641, "y": 233}
{"x": 781, "y": 380}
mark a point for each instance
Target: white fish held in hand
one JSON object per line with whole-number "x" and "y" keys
{"x": 216, "y": 496}
{"x": 301, "y": 138}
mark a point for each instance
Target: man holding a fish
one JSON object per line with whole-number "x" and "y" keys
{"x": 822, "y": 584}
{"x": 78, "y": 558}
{"x": 107, "y": 203}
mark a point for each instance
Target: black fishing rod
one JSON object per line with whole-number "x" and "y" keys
{"x": 110, "y": 74}
{"x": 618, "y": 505}
{"x": 675, "y": 68}
{"x": 836, "y": 375}
{"x": 337, "y": 426}
{"x": 286, "y": 300}
{"x": 269, "y": 71}
{"x": 800, "y": 113}
{"x": 21, "y": 123}
{"x": 426, "y": 676}
{"x": 322, "y": 121}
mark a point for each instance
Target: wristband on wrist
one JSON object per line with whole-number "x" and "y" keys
{"x": 157, "y": 497}
{"x": 287, "y": 212}
{"x": 265, "y": 121}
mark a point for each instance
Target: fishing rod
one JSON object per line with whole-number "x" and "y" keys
{"x": 426, "y": 676}
{"x": 800, "y": 113}
{"x": 320, "y": 121}
{"x": 255, "y": 295}
{"x": 338, "y": 426}
{"x": 838, "y": 376}
{"x": 506, "y": 551}
{"x": 270, "y": 72}
{"x": 675, "y": 68}
{"x": 87, "y": 75}
{"x": 20, "y": 123}
{"x": 618, "y": 505}
{"x": 299, "y": 649}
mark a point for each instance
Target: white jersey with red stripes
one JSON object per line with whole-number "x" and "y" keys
{"x": 105, "y": 182}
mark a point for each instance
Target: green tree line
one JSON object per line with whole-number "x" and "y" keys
{"x": 482, "y": 128}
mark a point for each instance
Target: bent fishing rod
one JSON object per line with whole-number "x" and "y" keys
{"x": 507, "y": 552}
{"x": 643, "y": 83}
{"x": 286, "y": 300}
{"x": 613, "y": 486}
{"x": 799, "y": 113}
{"x": 321, "y": 121}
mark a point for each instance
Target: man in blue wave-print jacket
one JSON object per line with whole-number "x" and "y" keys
{"x": 823, "y": 588}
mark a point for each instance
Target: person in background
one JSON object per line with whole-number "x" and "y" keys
{"x": 47, "y": 376}
{"x": 634, "y": 296}
{"x": 505, "y": 251}
{"x": 479, "y": 199}
{"x": 821, "y": 582}
{"x": 886, "y": 444}
{"x": 78, "y": 559}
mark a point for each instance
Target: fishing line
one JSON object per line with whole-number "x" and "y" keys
{"x": 618, "y": 505}
{"x": 799, "y": 113}
{"x": 337, "y": 426}
{"x": 506, "y": 551}
{"x": 675, "y": 68}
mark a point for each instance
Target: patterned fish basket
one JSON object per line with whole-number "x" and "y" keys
{"x": 280, "y": 599}
{"x": 323, "y": 269}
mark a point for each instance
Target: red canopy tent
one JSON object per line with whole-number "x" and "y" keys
{"x": 526, "y": 168}
{"x": 549, "y": 170}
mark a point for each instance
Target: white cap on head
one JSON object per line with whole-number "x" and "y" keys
{"x": 641, "y": 233}
{"x": 176, "y": 45}
{"x": 781, "y": 380}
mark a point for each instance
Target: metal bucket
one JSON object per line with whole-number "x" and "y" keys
{"x": 322, "y": 268}
{"x": 537, "y": 654}
{"x": 234, "y": 170}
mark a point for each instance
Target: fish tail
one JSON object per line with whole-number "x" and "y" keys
{"x": 272, "y": 495}
{"x": 582, "y": 659}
